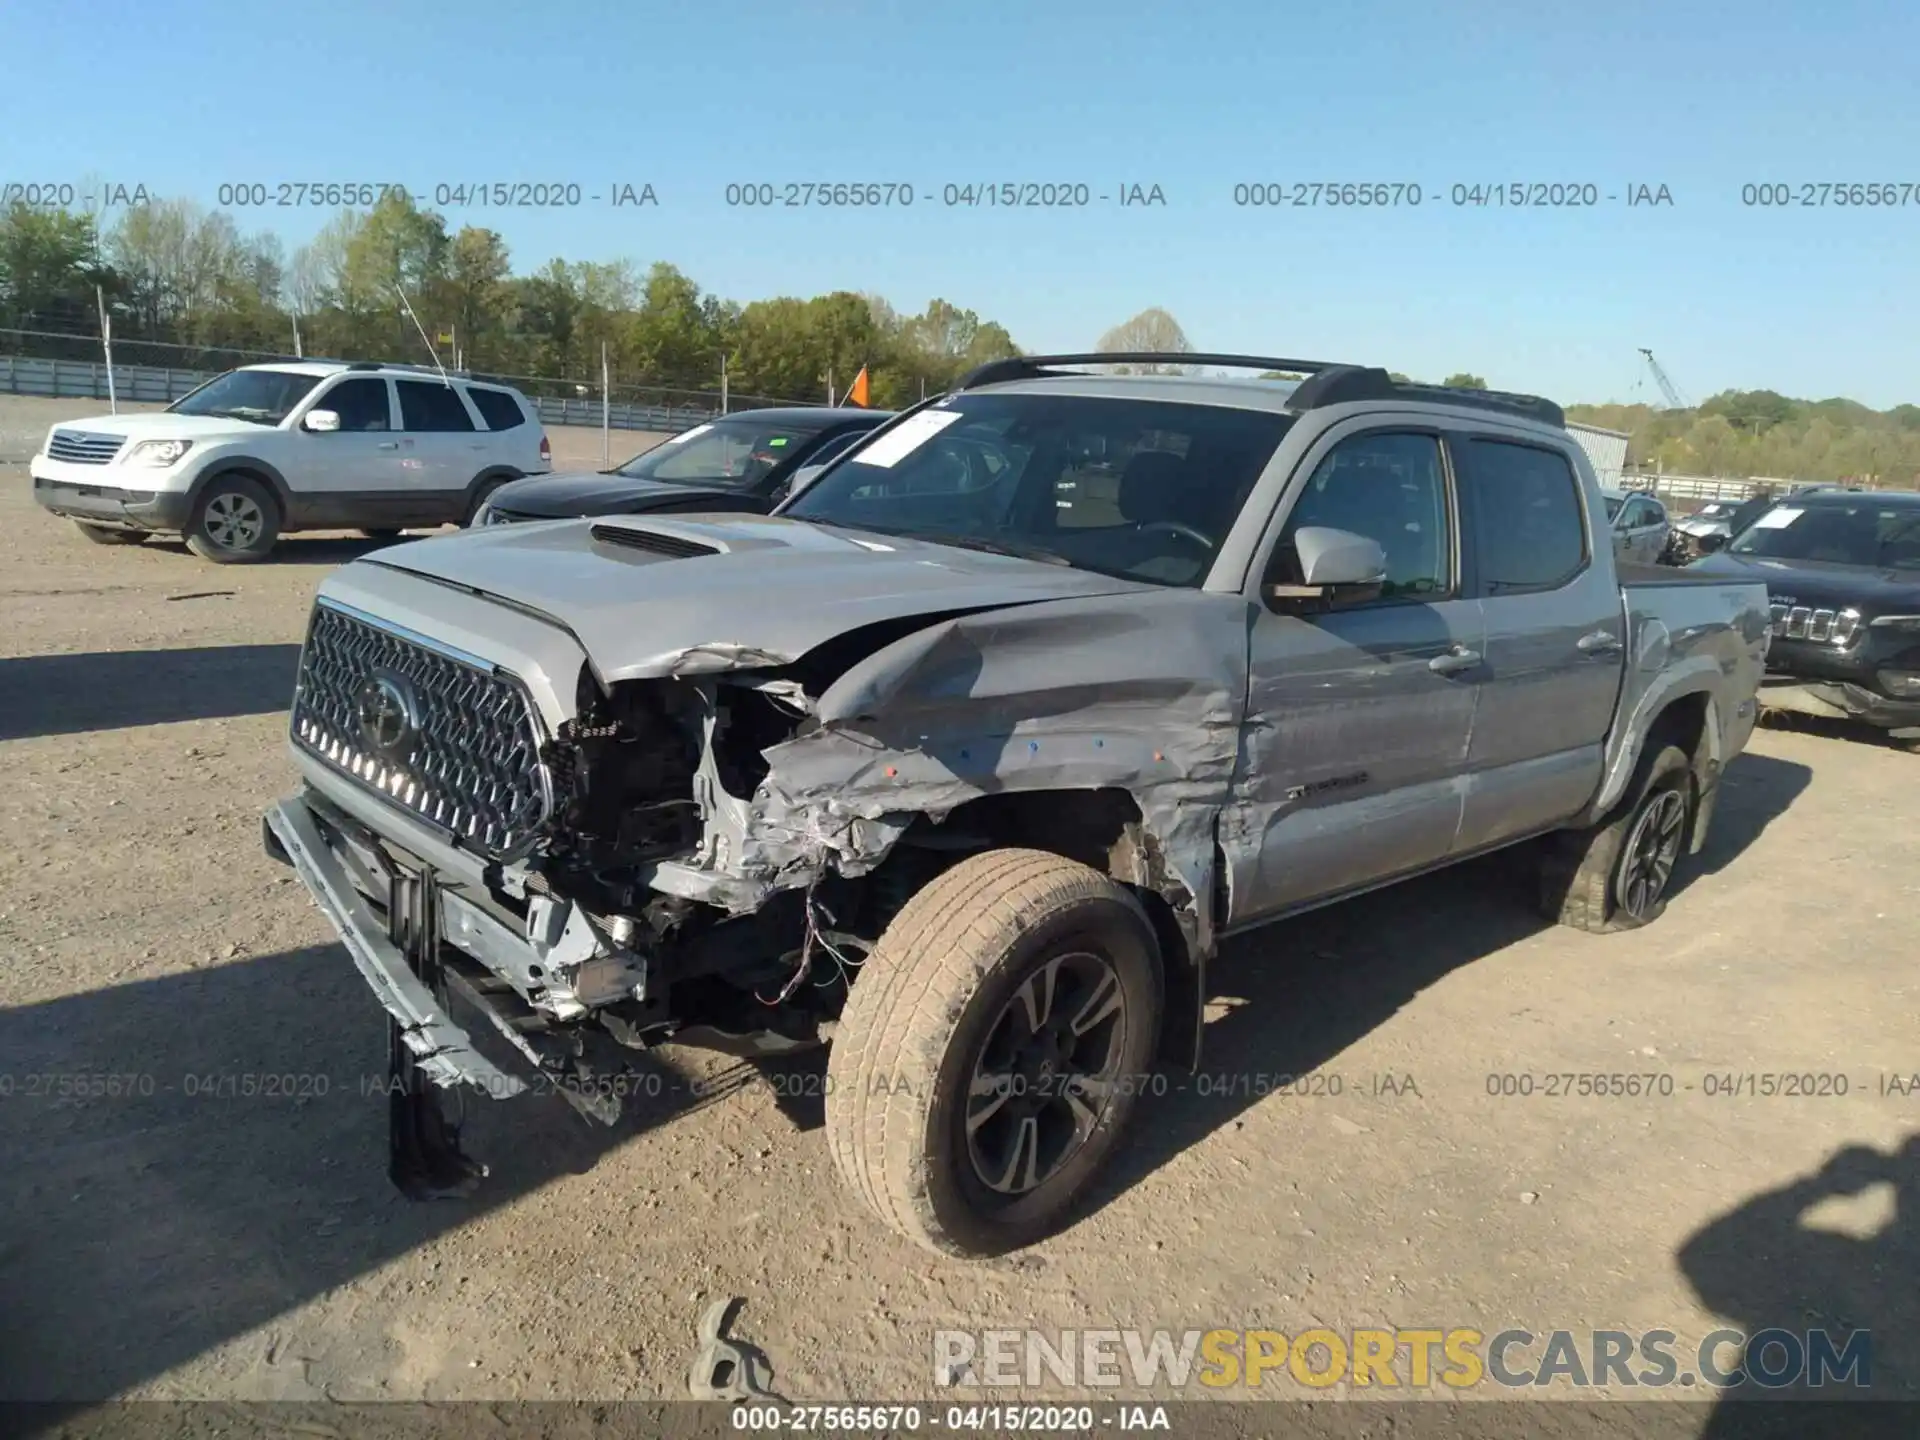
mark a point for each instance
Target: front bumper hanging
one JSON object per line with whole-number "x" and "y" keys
{"x": 440, "y": 1048}
{"x": 426, "y": 1050}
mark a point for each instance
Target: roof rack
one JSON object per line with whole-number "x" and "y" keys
{"x": 1356, "y": 382}
{"x": 1034, "y": 367}
{"x": 403, "y": 365}
{"x": 1328, "y": 382}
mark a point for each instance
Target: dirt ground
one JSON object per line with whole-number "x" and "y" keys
{"x": 186, "y": 1239}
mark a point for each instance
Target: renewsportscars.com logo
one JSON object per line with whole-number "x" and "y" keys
{"x": 1417, "y": 1359}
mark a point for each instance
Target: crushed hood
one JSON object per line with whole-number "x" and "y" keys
{"x": 763, "y": 591}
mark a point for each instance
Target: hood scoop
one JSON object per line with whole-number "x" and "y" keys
{"x": 672, "y": 547}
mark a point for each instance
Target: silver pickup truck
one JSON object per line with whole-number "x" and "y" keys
{"x": 967, "y": 759}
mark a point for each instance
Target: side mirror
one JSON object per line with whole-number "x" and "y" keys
{"x": 1709, "y": 543}
{"x": 1334, "y": 564}
{"x": 322, "y": 422}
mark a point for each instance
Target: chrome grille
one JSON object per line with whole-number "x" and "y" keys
{"x": 80, "y": 447}
{"x": 1803, "y": 622}
{"x": 467, "y": 755}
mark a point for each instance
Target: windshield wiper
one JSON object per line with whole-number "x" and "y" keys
{"x": 959, "y": 542}
{"x": 992, "y": 547}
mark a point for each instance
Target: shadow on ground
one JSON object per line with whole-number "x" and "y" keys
{"x": 1305, "y": 990}
{"x": 120, "y": 689}
{"x": 159, "y": 1203}
{"x": 1764, "y": 1267}
{"x": 299, "y": 549}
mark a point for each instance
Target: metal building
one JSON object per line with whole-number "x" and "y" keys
{"x": 1607, "y": 449}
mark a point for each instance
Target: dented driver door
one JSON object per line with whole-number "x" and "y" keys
{"x": 1353, "y": 755}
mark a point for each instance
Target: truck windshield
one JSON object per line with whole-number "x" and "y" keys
{"x": 1142, "y": 489}
{"x": 260, "y": 397}
{"x": 1879, "y": 536}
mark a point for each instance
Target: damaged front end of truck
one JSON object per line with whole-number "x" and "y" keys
{"x": 601, "y": 846}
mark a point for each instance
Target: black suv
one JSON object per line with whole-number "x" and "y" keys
{"x": 1843, "y": 571}
{"x": 740, "y": 462}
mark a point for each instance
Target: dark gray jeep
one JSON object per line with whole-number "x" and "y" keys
{"x": 967, "y": 758}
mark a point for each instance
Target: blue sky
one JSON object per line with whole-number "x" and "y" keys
{"x": 1192, "y": 97}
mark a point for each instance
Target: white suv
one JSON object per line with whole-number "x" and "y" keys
{"x": 268, "y": 449}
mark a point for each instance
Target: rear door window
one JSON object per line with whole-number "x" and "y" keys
{"x": 1524, "y": 516}
{"x": 431, "y": 407}
{"x": 498, "y": 408}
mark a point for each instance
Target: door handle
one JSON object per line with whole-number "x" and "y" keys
{"x": 1600, "y": 642}
{"x": 1454, "y": 661}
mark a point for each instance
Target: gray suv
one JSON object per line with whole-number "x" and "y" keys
{"x": 966, "y": 759}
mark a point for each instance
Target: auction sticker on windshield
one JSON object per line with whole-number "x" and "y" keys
{"x": 1777, "y": 519}
{"x": 905, "y": 438}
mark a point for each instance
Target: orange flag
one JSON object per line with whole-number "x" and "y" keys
{"x": 857, "y": 392}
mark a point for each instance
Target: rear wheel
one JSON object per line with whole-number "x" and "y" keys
{"x": 1616, "y": 875}
{"x": 992, "y": 1050}
{"x": 236, "y": 521}
{"x": 109, "y": 535}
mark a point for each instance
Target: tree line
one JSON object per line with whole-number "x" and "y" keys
{"x": 1762, "y": 433}
{"x": 173, "y": 273}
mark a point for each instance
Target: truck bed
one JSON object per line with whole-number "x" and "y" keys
{"x": 1680, "y": 640}
{"x": 1638, "y": 576}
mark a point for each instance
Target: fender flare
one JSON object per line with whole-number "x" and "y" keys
{"x": 1696, "y": 678}
{"x": 245, "y": 465}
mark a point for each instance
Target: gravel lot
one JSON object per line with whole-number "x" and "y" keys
{"x": 175, "y": 1243}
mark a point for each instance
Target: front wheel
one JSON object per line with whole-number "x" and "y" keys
{"x": 109, "y": 535}
{"x": 1616, "y": 875}
{"x": 992, "y": 1049}
{"x": 236, "y": 521}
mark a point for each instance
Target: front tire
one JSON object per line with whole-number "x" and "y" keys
{"x": 1616, "y": 876}
{"x": 109, "y": 535}
{"x": 235, "y": 522}
{"x": 992, "y": 1049}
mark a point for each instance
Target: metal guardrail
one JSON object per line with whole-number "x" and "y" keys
{"x": 158, "y": 385}
{"x": 620, "y": 415}
{"x": 1699, "y": 487}
{"x": 81, "y": 379}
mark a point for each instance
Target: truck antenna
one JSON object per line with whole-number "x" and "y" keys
{"x": 406, "y": 306}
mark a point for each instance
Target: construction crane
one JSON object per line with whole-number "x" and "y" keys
{"x": 1666, "y": 385}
